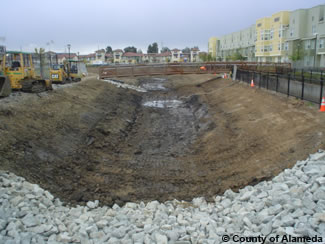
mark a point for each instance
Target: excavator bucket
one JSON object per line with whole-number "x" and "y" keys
{"x": 5, "y": 87}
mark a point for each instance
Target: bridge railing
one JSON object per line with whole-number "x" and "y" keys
{"x": 186, "y": 68}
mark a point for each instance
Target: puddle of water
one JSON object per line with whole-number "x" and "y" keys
{"x": 153, "y": 86}
{"x": 123, "y": 85}
{"x": 163, "y": 103}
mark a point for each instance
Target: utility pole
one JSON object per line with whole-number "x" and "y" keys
{"x": 69, "y": 46}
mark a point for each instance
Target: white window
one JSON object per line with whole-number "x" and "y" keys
{"x": 271, "y": 34}
{"x": 286, "y": 46}
{"x": 291, "y": 32}
{"x": 313, "y": 29}
{"x": 266, "y": 35}
{"x": 262, "y": 48}
{"x": 321, "y": 43}
{"x": 280, "y": 32}
{"x": 279, "y": 46}
{"x": 262, "y": 35}
{"x": 271, "y": 48}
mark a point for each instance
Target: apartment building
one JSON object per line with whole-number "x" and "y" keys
{"x": 212, "y": 46}
{"x": 305, "y": 37}
{"x": 297, "y": 37}
{"x": 237, "y": 45}
{"x": 270, "y": 37}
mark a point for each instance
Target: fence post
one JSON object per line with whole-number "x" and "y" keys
{"x": 321, "y": 90}
{"x": 302, "y": 86}
{"x": 259, "y": 80}
{"x": 294, "y": 74}
{"x": 288, "y": 92}
{"x": 267, "y": 81}
{"x": 277, "y": 83}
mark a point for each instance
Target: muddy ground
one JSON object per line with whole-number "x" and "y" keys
{"x": 187, "y": 136}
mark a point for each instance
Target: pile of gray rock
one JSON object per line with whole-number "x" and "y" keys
{"x": 292, "y": 204}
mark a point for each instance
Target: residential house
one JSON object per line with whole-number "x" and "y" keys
{"x": 99, "y": 56}
{"x": 132, "y": 58}
{"x": 89, "y": 58}
{"x": 176, "y": 55}
{"x": 194, "y": 55}
{"x": 109, "y": 58}
{"x": 117, "y": 55}
{"x": 61, "y": 57}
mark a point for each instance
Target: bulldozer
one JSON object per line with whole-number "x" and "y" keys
{"x": 17, "y": 72}
{"x": 5, "y": 88}
{"x": 69, "y": 71}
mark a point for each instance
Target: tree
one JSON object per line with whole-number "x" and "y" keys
{"x": 40, "y": 50}
{"x": 237, "y": 56}
{"x": 130, "y": 49}
{"x": 164, "y": 50}
{"x": 297, "y": 53}
{"x": 153, "y": 48}
{"x": 139, "y": 51}
{"x": 109, "y": 49}
{"x": 186, "y": 50}
{"x": 203, "y": 57}
{"x": 207, "y": 57}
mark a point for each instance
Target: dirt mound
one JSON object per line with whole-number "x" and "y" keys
{"x": 183, "y": 138}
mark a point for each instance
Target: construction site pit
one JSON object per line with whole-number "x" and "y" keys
{"x": 154, "y": 138}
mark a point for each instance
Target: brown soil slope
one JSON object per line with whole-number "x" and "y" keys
{"x": 96, "y": 141}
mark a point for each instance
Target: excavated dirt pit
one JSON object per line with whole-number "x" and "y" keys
{"x": 140, "y": 139}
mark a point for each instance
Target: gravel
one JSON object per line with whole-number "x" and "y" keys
{"x": 292, "y": 204}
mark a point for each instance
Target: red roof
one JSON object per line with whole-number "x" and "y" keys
{"x": 130, "y": 54}
{"x": 108, "y": 55}
{"x": 66, "y": 55}
{"x": 195, "y": 49}
{"x": 88, "y": 55}
{"x": 165, "y": 54}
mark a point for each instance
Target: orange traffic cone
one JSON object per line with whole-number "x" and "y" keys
{"x": 252, "y": 83}
{"x": 322, "y": 105}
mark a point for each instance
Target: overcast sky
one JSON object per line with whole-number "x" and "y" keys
{"x": 91, "y": 24}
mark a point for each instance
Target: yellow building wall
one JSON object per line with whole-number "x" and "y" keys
{"x": 268, "y": 39}
{"x": 212, "y": 46}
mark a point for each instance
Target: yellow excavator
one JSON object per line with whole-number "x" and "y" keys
{"x": 69, "y": 71}
{"x": 17, "y": 72}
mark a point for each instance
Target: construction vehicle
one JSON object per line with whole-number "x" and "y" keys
{"x": 5, "y": 88}
{"x": 69, "y": 71}
{"x": 18, "y": 72}
{"x": 59, "y": 74}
